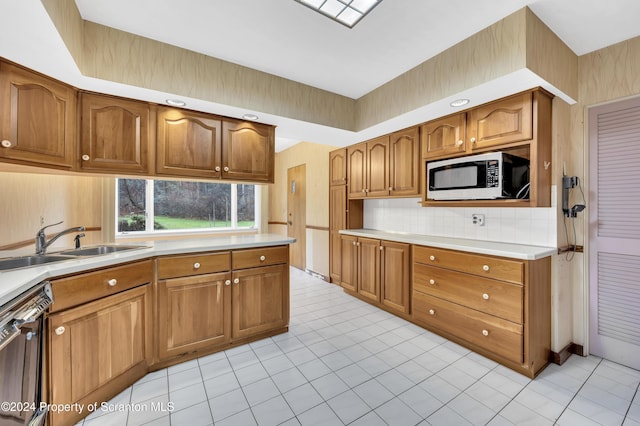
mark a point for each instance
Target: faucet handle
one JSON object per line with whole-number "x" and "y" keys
{"x": 41, "y": 231}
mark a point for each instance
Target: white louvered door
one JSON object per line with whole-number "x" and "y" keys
{"x": 614, "y": 232}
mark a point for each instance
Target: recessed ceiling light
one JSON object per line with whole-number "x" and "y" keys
{"x": 176, "y": 102}
{"x": 459, "y": 102}
{"x": 251, "y": 117}
{"x": 346, "y": 12}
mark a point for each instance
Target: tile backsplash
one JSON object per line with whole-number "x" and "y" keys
{"x": 535, "y": 226}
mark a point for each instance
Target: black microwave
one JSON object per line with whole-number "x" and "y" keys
{"x": 478, "y": 177}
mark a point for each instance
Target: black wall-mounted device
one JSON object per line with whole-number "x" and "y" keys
{"x": 569, "y": 182}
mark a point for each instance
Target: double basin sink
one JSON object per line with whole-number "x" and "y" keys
{"x": 41, "y": 259}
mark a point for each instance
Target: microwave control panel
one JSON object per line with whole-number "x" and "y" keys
{"x": 493, "y": 174}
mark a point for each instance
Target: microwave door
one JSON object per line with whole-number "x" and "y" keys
{"x": 457, "y": 176}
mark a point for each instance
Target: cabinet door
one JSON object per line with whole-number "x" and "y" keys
{"x": 394, "y": 276}
{"x": 37, "y": 124}
{"x": 404, "y": 163}
{"x": 502, "y": 122}
{"x": 338, "y": 167}
{"x": 97, "y": 344}
{"x": 444, "y": 136}
{"x": 115, "y": 134}
{"x": 193, "y": 313}
{"x": 248, "y": 152}
{"x": 357, "y": 170}
{"x": 349, "y": 263}
{"x": 335, "y": 256}
{"x": 337, "y": 208}
{"x": 377, "y": 167}
{"x": 260, "y": 300}
{"x": 188, "y": 144}
{"x": 369, "y": 269}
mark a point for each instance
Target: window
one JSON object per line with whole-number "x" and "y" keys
{"x": 156, "y": 206}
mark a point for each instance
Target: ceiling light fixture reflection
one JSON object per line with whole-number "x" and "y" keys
{"x": 251, "y": 117}
{"x": 459, "y": 102}
{"x": 345, "y": 12}
{"x": 176, "y": 102}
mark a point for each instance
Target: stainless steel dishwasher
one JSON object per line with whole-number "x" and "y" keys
{"x": 21, "y": 357}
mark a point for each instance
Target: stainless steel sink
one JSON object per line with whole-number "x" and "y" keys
{"x": 99, "y": 250}
{"x": 26, "y": 261}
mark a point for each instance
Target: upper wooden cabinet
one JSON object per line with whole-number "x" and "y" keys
{"x": 357, "y": 170}
{"x": 37, "y": 119}
{"x": 502, "y": 122}
{"x": 199, "y": 145}
{"x": 377, "y": 167}
{"x": 248, "y": 151}
{"x": 444, "y": 136}
{"x": 115, "y": 134}
{"x": 404, "y": 163}
{"x": 338, "y": 167}
{"x": 188, "y": 144}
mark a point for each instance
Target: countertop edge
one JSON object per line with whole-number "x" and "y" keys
{"x": 15, "y": 282}
{"x": 493, "y": 248}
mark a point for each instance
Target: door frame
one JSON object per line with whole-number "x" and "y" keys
{"x": 303, "y": 238}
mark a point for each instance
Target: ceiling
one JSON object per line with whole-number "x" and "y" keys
{"x": 287, "y": 39}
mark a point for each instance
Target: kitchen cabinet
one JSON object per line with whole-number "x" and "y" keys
{"x": 496, "y": 306}
{"x": 357, "y": 170}
{"x": 99, "y": 340}
{"x": 116, "y": 134}
{"x": 338, "y": 167}
{"x": 38, "y": 120}
{"x": 337, "y": 221}
{"x": 444, "y": 137}
{"x": 194, "y": 303}
{"x": 404, "y": 163}
{"x": 377, "y": 271}
{"x": 248, "y": 151}
{"x": 519, "y": 125}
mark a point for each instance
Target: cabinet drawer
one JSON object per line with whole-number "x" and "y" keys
{"x": 260, "y": 257}
{"x": 485, "y": 266}
{"x": 490, "y": 296}
{"x": 79, "y": 289}
{"x": 193, "y": 264}
{"x": 504, "y": 338}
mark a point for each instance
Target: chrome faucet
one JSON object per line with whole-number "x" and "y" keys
{"x": 41, "y": 238}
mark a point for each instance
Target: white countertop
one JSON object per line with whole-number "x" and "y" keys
{"x": 15, "y": 282}
{"x": 516, "y": 251}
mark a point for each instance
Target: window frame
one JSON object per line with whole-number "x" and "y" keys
{"x": 150, "y": 212}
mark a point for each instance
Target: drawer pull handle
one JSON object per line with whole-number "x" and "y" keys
{"x": 485, "y": 296}
{"x": 227, "y": 282}
{"x": 236, "y": 280}
{"x": 485, "y": 268}
{"x": 196, "y": 265}
{"x": 262, "y": 258}
{"x": 432, "y": 282}
{"x": 217, "y": 168}
{"x": 60, "y": 330}
{"x": 485, "y": 332}
{"x": 6, "y": 143}
{"x": 432, "y": 312}
{"x": 85, "y": 157}
{"x": 112, "y": 282}
{"x": 432, "y": 258}
{"x": 226, "y": 169}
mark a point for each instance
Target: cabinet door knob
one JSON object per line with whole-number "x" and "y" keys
{"x": 432, "y": 282}
{"x": 60, "y": 330}
{"x": 227, "y": 282}
{"x": 236, "y": 280}
{"x": 381, "y": 248}
{"x": 485, "y": 332}
{"x": 226, "y": 169}
{"x": 485, "y": 296}
{"x": 364, "y": 190}
{"x": 262, "y": 258}
{"x": 354, "y": 243}
{"x": 217, "y": 168}
{"x": 432, "y": 312}
{"x": 196, "y": 265}
{"x": 112, "y": 282}
{"x": 358, "y": 244}
{"x": 473, "y": 140}
{"x": 6, "y": 143}
{"x": 460, "y": 142}
{"x": 432, "y": 258}
{"x": 85, "y": 157}
{"x": 485, "y": 268}
{"x": 391, "y": 188}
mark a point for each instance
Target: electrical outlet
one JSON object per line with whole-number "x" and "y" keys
{"x": 41, "y": 220}
{"x": 478, "y": 219}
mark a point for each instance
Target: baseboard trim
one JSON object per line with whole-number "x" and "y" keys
{"x": 560, "y": 357}
{"x": 317, "y": 275}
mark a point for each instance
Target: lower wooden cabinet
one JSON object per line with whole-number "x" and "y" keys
{"x": 97, "y": 349}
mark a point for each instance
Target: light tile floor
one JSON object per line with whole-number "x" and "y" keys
{"x": 346, "y": 362}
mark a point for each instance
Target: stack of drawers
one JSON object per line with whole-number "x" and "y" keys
{"x": 482, "y": 302}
